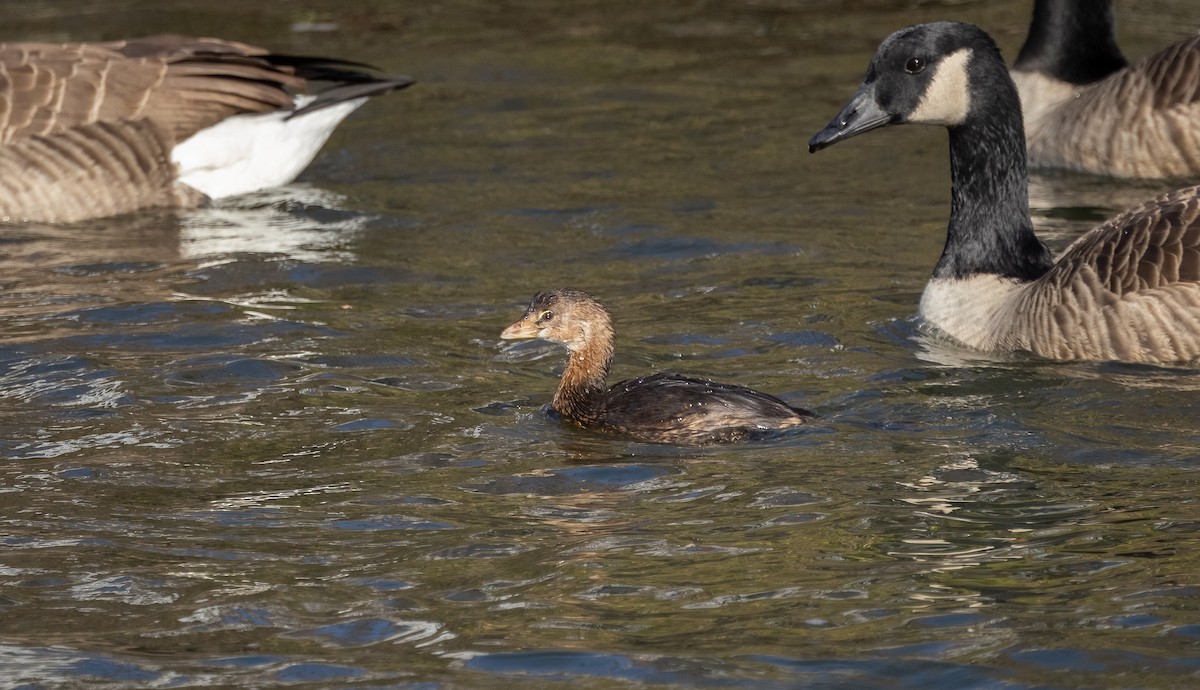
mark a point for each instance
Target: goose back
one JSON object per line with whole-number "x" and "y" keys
{"x": 1126, "y": 290}
{"x": 98, "y": 121}
{"x": 1086, "y": 111}
{"x": 183, "y": 84}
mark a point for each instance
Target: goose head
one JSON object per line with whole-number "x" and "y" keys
{"x": 926, "y": 74}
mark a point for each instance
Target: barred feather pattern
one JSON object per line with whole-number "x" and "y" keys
{"x": 184, "y": 84}
{"x": 1128, "y": 290}
{"x": 1140, "y": 122}
{"x": 91, "y": 170}
{"x": 87, "y": 129}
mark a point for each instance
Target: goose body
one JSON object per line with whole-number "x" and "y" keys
{"x": 1127, "y": 290}
{"x": 97, "y": 129}
{"x": 660, "y": 408}
{"x": 1087, "y": 109}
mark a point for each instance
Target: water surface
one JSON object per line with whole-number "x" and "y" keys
{"x": 278, "y": 443}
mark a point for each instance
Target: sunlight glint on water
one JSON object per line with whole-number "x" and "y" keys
{"x": 278, "y": 442}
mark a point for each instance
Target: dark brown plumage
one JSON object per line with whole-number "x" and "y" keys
{"x": 661, "y": 408}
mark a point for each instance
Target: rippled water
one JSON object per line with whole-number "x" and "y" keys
{"x": 279, "y": 443}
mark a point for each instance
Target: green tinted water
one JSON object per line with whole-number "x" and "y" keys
{"x": 279, "y": 442}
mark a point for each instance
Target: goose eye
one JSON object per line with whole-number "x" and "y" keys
{"x": 546, "y": 316}
{"x": 914, "y": 65}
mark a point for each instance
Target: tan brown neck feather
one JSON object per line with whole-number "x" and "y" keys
{"x": 582, "y": 387}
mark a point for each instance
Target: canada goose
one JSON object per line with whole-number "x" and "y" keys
{"x": 1087, "y": 109}
{"x": 1127, "y": 290}
{"x": 97, "y": 129}
{"x": 661, "y": 408}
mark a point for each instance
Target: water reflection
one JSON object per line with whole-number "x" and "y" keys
{"x": 276, "y": 442}
{"x": 300, "y": 223}
{"x": 112, "y": 271}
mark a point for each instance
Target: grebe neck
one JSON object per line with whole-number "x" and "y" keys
{"x": 581, "y": 391}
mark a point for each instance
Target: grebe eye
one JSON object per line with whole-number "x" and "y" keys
{"x": 914, "y": 65}
{"x": 546, "y": 316}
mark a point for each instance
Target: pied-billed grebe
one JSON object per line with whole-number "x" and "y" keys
{"x": 661, "y": 408}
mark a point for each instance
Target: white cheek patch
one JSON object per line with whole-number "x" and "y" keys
{"x": 947, "y": 100}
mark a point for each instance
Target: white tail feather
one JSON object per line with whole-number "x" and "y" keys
{"x": 245, "y": 153}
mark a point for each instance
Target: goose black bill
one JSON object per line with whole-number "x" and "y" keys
{"x": 861, "y": 114}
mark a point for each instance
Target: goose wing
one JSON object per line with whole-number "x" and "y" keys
{"x": 1127, "y": 290}
{"x": 183, "y": 84}
{"x": 1142, "y": 121}
{"x": 90, "y": 129}
{"x": 1171, "y": 76}
{"x": 90, "y": 170}
{"x": 1151, "y": 246}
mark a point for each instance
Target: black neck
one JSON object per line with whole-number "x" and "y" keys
{"x": 990, "y": 229}
{"x": 1072, "y": 40}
